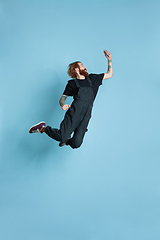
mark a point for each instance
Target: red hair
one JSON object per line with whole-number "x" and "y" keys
{"x": 71, "y": 70}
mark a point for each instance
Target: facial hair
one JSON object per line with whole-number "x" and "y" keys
{"x": 84, "y": 72}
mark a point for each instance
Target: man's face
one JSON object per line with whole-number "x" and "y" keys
{"x": 83, "y": 70}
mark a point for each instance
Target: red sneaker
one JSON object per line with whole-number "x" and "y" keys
{"x": 36, "y": 128}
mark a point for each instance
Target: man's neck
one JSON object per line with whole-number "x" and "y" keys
{"x": 79, "y": 76}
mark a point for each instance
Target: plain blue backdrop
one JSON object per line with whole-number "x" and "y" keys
{"x": 109, "y": 188}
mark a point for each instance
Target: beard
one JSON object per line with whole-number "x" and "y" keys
{"x": 84, "y": 72}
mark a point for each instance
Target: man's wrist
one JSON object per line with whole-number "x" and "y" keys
{"x": 62, "y": 100}
{"x": 109, "y": 60}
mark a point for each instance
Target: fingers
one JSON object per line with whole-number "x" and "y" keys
{"x": 66, "y": 106}
{"x": 107, "y": 54}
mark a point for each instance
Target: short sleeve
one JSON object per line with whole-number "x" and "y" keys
{"x": 70, "y": 88}
{"x": 96, "y": 79}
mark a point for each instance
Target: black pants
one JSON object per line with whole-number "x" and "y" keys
{"x": 71, "y": 124}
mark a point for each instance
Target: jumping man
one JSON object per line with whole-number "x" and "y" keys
{"x": 83, "y": 87}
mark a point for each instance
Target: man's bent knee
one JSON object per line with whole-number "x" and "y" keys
{"x": 75, "y": 144}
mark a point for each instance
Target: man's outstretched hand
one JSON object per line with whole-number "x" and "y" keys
{"x": 107, "y": 54}
{"x": 65, "y": 107}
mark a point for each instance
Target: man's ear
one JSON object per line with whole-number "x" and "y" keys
{"x": 76, "y": 70}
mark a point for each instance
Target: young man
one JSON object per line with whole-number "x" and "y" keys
{"x": 83, "y": 87}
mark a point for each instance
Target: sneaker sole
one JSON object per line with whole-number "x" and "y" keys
{"x": 61, "y": 144}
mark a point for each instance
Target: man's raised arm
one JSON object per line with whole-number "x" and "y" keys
{"x": 109, "y": 72}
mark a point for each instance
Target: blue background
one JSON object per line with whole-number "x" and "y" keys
{"x": 109, "y": 188}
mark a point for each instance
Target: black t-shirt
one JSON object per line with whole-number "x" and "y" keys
{"x": 72, "y": 89}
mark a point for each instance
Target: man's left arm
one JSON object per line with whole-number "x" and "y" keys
{"x": 109, "y": 72}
